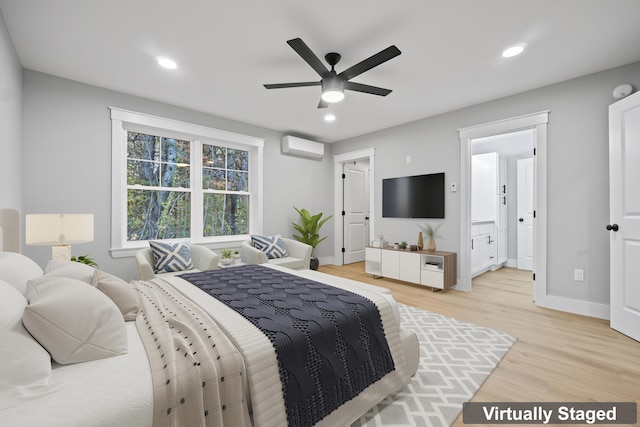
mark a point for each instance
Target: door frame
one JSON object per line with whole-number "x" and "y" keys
{"x": 338, "y": 161}
{"x": 537, "y": 121}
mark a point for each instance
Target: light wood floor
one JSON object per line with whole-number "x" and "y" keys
{"x": 558, "y": 357}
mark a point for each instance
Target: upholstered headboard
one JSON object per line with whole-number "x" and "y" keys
{"x": 9, "y": 230}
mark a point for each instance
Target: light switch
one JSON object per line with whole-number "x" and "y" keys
{"x": 454, "y": 187}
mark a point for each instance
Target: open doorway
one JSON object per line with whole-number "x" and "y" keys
{"x": 538, "y": 123}
{"x": 353, "y": 204}
{"x": 502, "y": 226}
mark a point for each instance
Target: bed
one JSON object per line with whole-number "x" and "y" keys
{"x": 201, "y": 361}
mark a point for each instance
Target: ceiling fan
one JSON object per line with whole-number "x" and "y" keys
{"x": 334, "y": 84}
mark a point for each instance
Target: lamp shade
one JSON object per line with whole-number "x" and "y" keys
{"x": 58, "y": 229}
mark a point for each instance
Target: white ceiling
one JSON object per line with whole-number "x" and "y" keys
{"x": 517, "y": 143}
{"x": 226, "y": 51}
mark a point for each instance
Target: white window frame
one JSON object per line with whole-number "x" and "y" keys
{"x": 123, "y": 121}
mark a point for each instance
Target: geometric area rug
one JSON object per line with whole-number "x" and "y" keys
{"x": 455, "y": 359}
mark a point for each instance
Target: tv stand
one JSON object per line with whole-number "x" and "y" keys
{"x": 436, "y": 269}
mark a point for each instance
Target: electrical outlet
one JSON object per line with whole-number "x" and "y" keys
{"x": 578, "y": 275}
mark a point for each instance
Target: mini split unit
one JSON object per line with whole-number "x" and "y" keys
{"x": 295, "y": 146}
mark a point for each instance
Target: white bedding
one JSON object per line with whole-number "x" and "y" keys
{"x": 117, "y": 391}
{"x": 112, "y": 392}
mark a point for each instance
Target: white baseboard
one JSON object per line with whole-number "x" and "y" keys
{"x": 326, "y": 260}
{"x": 585, "y": 308}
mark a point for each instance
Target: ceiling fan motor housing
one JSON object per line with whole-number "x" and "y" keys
{"x": 332, "y": 59}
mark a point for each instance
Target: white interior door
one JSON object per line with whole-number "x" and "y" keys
{"x": 356, "y": 209}
{"x": 525, "y": 213}
{"x": 624, "y": 228}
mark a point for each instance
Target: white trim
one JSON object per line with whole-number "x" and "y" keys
{"x": 570, "y": 305}
{"x": 464, "y": 257}
{"x": 527, "y": 121}
{"x": 540, "y": 291}
{"x": 184, "y": 128}
{"x": 338, "y": 162}
{"x": 257, "y": 195}
{"x": 123, "y": 120}
{"x": 536, "y": 121}
{"x": 118, "y": 198}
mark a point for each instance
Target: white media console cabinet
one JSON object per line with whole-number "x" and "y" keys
{"x": 436, "y": 269}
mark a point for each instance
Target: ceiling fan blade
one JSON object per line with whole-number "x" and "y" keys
{"x": 359, "y": 87}
{"x": 323, "y": 104}
{"x": 307, "y": 54}
{"x": 373, "y": 61}
{"x": 286, "y": 85}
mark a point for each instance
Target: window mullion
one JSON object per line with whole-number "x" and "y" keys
{"x": 197, "y": 208}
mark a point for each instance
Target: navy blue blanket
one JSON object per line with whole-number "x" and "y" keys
{"x": 329, "y": 342}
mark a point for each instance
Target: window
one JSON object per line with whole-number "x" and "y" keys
{"x": 158, "y": 187}
{"x": 225, "y": 182}
{"x": 175, "y": 180}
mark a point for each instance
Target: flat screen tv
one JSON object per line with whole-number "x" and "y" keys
{"x": 420, "y": 196}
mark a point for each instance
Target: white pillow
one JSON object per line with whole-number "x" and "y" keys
{"x": 70, "y": 269}
{"x": 12, "y": 304}
{"x": 23, "y": 361}
{"x": 73, "y": 321}
{"x": 16, "y": 269}
{"x": 120, "y": 292}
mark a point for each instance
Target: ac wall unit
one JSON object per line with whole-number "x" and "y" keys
{"x": 295, "y": 146}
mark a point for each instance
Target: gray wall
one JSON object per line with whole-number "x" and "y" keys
{"x": 578, "y": 192}
{"x": 67, "y": 163}
{"x": 10, "y": 122}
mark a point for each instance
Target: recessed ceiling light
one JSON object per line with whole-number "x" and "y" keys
{"x": 167, "y": 63}
{"x": 513, "y": 51}
{"x": 329, "y": 117}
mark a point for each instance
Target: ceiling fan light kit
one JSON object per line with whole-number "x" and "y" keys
{"x": 333, "y": 84}
{"x": 332, "y": 88}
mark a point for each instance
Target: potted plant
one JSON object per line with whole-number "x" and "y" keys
{"x": 309, "y": 229}
{"x": 431, "y": 233}
{"x": 226, "y": 256}
{"x": 84, "y": 259}
{"x": 236, "y": 255}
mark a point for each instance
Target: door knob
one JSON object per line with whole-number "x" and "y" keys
{"x": 521, "y": 219}
{"x": 613, "y": 227}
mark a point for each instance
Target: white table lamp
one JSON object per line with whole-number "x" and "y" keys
{"x": 58, "y": 231}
